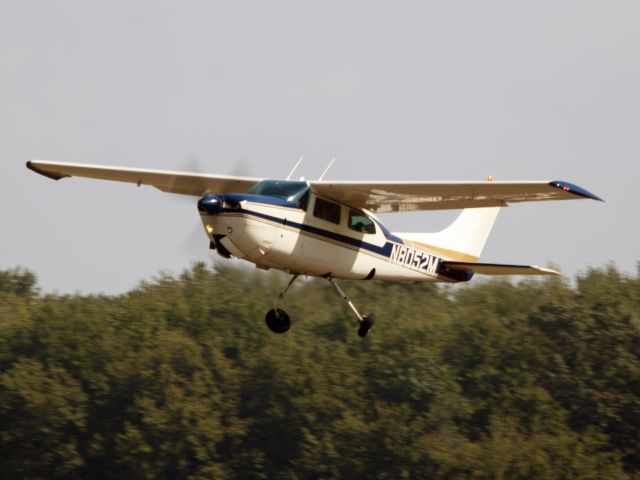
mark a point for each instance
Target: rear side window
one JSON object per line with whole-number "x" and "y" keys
{"x": 359, "y": 222}
{"x": 327, "y": 211}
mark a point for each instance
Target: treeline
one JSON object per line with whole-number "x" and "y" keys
{"x": 180, "y": 378}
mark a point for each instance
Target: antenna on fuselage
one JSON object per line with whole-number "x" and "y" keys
{"x": 327, "y": 169}
{"x": 294, "y": 168}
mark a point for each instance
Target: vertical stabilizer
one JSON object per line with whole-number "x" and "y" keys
{"x": 464, "y": 239}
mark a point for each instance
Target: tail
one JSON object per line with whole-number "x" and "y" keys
{"x": 464, "y": 239}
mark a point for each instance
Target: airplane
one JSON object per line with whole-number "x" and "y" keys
{"x": 328, "y": 229}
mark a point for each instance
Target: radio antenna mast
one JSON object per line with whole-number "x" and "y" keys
{"x": 327, "y": 169}
{"x": 294, "y": 168}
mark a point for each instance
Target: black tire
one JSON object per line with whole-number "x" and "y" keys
{"x": 366, "y": 323}
{"x": 278, "y": 320}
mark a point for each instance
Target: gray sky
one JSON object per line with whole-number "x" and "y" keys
{"x": 394, "y": 90}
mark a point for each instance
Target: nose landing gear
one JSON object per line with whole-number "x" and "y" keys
{"x": 279, "y": 321}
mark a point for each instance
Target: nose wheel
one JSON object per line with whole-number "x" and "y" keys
{"x": 279, "y": 321}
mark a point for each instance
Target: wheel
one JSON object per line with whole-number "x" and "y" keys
{"x": 366, "y": 323}
{"x": 278, "y": 320}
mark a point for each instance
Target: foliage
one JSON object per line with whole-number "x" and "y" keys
{"x": 180, "y": 378}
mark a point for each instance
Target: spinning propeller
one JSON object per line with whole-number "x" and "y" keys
{"x": 196, "y": 243}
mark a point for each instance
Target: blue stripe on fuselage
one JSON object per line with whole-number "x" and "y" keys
{"x": 389, "y": 235}
{"x": 384, "y": 250}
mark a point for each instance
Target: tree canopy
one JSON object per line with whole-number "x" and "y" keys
{"x": 180, "y": 378}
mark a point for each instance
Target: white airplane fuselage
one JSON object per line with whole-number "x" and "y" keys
{"x": 279, "y": 235}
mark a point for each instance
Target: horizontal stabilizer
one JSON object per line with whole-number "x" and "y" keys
{"x": 496, "y": 269}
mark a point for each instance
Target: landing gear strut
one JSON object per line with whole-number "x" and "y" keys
{"x": 365, "y": 321}
{"x": 279, "y": 321}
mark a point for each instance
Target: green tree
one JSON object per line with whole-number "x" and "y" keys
{"x": 180, "y": 378}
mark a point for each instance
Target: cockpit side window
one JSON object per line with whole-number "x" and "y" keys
{"x": 359, "y": 222}
{"x": 327, "y": 210}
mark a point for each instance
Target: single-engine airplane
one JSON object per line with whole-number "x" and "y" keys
{"x": 329, "y": 229}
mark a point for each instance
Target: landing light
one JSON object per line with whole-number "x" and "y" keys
{"x": 208, "y": 228}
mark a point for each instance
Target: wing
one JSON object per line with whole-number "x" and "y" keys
{"x": 411, "y": 196}
{"x": 196, "y": 184}
{"x": 497, "y": 268}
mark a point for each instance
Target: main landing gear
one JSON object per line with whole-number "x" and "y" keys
{"x": 365, "y": 322}
{"x": 279, "y": 321}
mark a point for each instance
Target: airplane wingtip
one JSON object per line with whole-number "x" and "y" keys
{"x": 575, "y": 189}
{"x": 33, "y": 166}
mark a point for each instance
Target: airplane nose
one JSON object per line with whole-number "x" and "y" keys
{"x": 210, "y": 204}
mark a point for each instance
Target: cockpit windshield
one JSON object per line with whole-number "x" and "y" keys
{"x": 296, "y": 192}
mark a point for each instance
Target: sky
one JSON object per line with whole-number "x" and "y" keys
{"x": 403, "y": 90}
